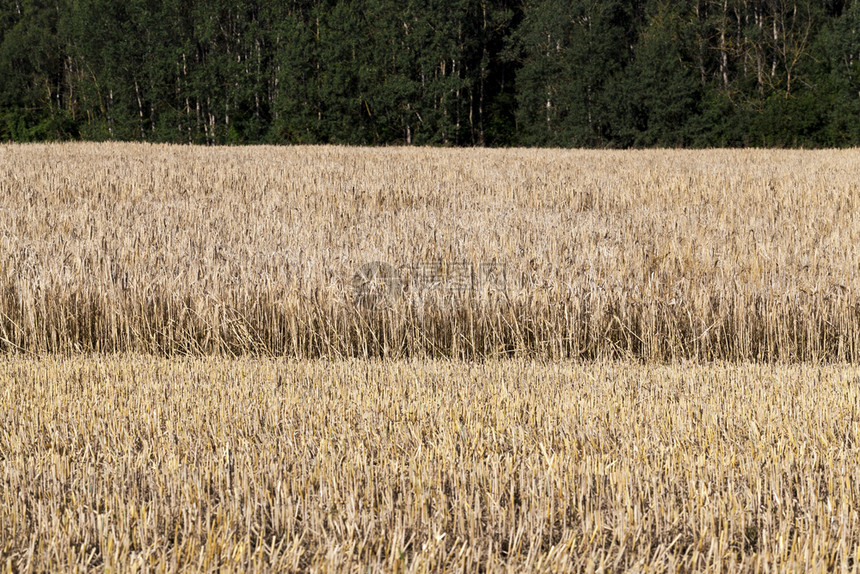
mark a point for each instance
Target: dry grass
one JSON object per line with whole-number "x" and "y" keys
{"x": 133, "y": 463}
{"x": 658, "y": 255}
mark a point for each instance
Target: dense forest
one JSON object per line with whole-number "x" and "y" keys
{"x": 576, "y": 73}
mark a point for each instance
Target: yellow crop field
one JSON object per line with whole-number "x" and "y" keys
{"x": 335, "y": 359}
{"x": 131, "y": 463}
{"x": 654, "y": 255}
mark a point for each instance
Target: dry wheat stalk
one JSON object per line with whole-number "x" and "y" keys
{"x": 662, "y": 255}
{"x": 130, "y": 462}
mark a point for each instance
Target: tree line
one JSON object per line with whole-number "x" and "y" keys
{"x": 575, "y": 73}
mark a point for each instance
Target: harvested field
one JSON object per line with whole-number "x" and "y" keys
{"x": 134, "y": 463}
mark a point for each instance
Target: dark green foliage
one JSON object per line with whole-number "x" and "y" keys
{"x": 570, "y": 58}
{"x": 661, "y": 95}
{"x": 575, "y": 73}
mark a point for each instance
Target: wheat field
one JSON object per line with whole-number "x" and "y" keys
{"x": 650, "y": 255}
{"x": 333, "y": 359}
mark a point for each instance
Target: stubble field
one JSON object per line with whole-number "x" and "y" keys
{"x": 428, "y": 360}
